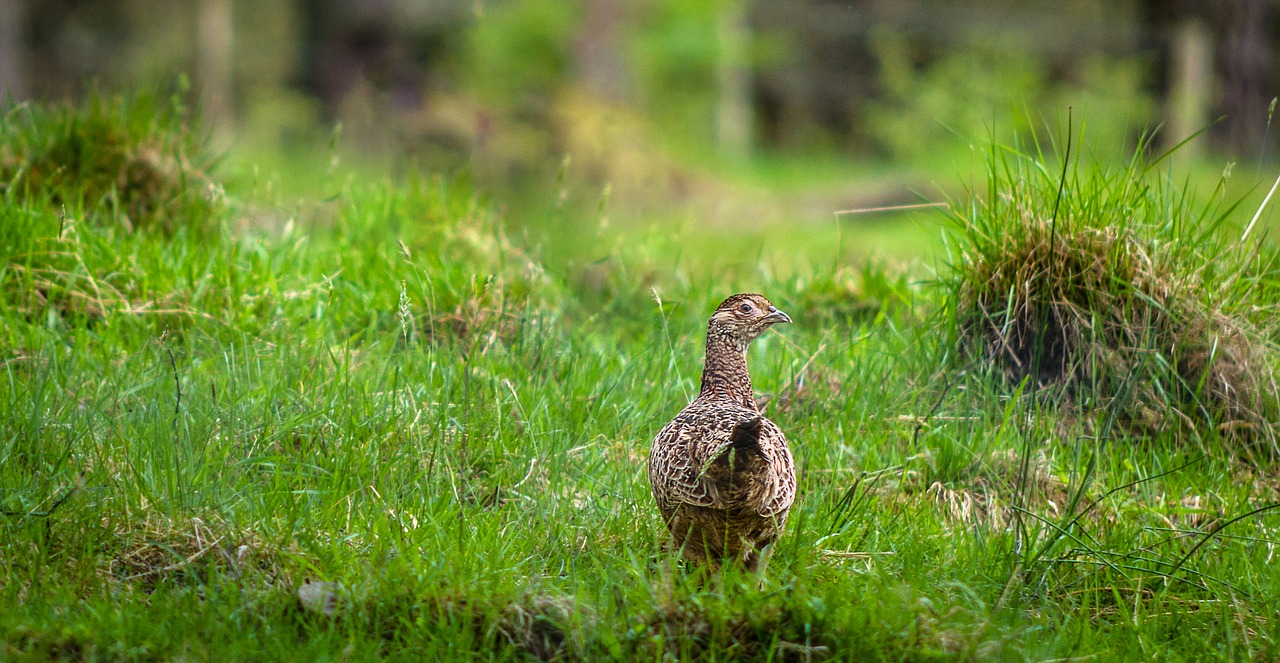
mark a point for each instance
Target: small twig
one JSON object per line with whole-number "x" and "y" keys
{"x": 821, "y": 346}
{"x": 851, "y": 554}
{"x": 1115, "y": 490}
{"x": 1063, "y": 532}
{"x": 533, "y": 463}
{"x": 922, "y": 418}
{"x": 1038, "y": 341}
{"x": 48, "y": 512}
{"x": 890, "y": 208}
{"x": 1249, "y": 228}
{"x": 1183, "y": 533}
{"x": 798, "y": 383}
{"x": 177, "y": 404}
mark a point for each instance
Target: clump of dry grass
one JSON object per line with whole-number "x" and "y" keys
{"x": 687, "y": 628}
{"x": 468, "y": 281}
{"x": 997, "y": 485}
{"x": 541, "y": 626}
{"x": 135, "y": 159}
{"x": 162, "y": 550}
{"x": 91, "y": 190}
{"x": 1122, "y": 303}
{"x": 57, "y": 276}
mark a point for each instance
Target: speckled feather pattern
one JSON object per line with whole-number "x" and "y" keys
{"x": 722, "y": 474}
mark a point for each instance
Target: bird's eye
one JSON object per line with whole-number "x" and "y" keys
{"x": 745, "y": 308}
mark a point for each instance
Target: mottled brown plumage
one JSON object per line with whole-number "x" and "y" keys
{"x": 721, "y": 472}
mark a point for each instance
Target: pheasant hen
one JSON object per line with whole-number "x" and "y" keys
{"x": 722, "y": 473}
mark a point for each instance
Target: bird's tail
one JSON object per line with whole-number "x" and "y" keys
{"x": 744, "y": 440}
{"x": 745, "y": 436}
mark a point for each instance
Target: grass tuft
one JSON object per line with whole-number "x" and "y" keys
{"x": 160, "y": 552}
{"x": 131, "y": 161}
{"x": 1108, "y": 287}
{"x": 543, "y": 626}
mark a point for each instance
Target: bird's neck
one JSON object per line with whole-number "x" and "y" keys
{"x": 724, "y": 376}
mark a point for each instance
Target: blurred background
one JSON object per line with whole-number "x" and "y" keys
{"x": 735, "y": 113}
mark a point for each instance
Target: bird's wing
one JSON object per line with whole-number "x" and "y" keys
{"x": 773, "y": 446}
{"x": 777, "y": 487}
{"x": 677, "y": 461}
{"x": 685, "y": 449}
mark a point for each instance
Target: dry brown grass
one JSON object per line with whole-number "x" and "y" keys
{"x": 685, "y": 627}
{"x": 78, "y": 294}
{"x": 162, "y": 551}
{"x": 538, "y": 625}
{"x": 989, "y": 498}
{"x": 542, "y": 626}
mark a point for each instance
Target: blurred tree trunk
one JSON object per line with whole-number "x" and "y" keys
{"x": 1242, "y": 32}
{"x": 1190, "y": 83}
{"x": 735, "y": 122}
{"x": 347, "y": 48}
{"x": 13, "y": 72}
{"x": 1244, "y": 58}
{"x": 599, "y": 51}
{"x": 215, "y": 32}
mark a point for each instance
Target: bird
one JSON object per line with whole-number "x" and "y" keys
{"x": 721, "y": 472}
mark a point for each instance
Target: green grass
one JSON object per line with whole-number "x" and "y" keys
{"x": 389, "y": 391}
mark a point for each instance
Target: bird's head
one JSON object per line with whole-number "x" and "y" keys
{"x": 743, "y": 317}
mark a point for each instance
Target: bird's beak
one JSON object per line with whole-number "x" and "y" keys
{"x": 775, "y": 316}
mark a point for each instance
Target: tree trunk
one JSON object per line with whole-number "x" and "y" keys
{"x": 598, "y": 51}
{"x": 735, "y": 123}
{"x": 13, "y": 72}
{"x": 1244, "y": 59}
{"x": 1190, "y": 84}
{"x": 215, "y": 32}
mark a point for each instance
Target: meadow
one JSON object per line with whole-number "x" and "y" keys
{"x": 384, "y": 422}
